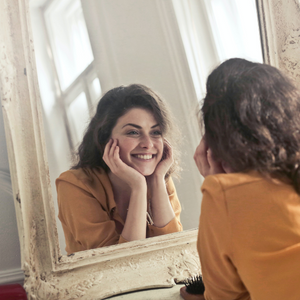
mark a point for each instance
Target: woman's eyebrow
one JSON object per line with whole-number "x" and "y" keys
{"x": 155, "y": 125}
{"x": 133, "y": 125}
{"x": 137, "y": 126}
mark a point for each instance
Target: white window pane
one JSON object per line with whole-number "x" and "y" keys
{"x": 236, "y": 29}
{"x": 96, "y": 89}
{"x": 69, "y": 39}
{"x": 247, "y": 13}
{"x": 78, "y": 116}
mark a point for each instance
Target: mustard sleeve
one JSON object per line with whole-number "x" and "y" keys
{"x": 220, "y": 276}
{"x": 174, "y": 225}
{"x": 85, "y": 222}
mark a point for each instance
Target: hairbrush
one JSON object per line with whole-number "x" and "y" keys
{"x": 193, "y": 289}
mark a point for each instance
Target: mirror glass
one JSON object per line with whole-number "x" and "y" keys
{"x": 84, "y": 48}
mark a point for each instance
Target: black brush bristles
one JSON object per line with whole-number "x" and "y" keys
{"x": 194, "y": 285}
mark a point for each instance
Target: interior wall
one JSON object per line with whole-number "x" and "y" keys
{"x": 10, "y": 259}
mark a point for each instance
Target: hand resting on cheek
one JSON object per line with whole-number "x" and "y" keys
{"x": 205, "y": 161}
{"x": 164, "y": 165}
{"x": 126, "y": 173}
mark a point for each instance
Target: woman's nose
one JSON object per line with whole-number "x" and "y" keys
{"x": 146, "y": 142}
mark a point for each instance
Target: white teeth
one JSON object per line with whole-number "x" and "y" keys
{"x": 147, "y": 156}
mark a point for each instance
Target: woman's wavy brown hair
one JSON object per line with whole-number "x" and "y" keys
{"x": 251, "y": 116}
{"x": 114, "y": 104}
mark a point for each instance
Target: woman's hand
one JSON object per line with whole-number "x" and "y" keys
{"x": 162, "y": 211}
{"x": 135, "y": 215}
{"x": 205, "y": 161}
{"x": 164, "y": 165}
{"x": 126, "y": 173}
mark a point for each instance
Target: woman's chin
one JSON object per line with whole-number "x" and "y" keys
{"x": 145, "y": 173}
{"x": 144, "y": 169}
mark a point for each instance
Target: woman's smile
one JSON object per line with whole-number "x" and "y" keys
{"x": 143, "y": 156}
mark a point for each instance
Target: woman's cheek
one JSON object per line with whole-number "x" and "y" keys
{"x": 125, "y": 147}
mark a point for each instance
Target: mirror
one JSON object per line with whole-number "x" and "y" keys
{"x": 97, "y": 273}
{"x": 168, "y": 45}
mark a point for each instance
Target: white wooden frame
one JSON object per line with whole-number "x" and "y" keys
{"x": 98, "y": 273}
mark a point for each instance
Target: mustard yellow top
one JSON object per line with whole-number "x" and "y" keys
{"x": 249, "y": 238}
{"x": 88, "y": 212}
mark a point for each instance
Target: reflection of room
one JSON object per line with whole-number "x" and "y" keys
{"x": 85, "y": 48}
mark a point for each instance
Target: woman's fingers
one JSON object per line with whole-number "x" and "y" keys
{"x": 200, "y": 158}
{"x": 111, "y": 154}
{"x": 129, "y": 175}
{"x": 107, "y": 148}
{"x": 166, "y": 161}
{"x": 112, "y": 150}
{"x": 106, "y": 151}
{"x": 116, "y": 154}
{"x": 112, "y": 158}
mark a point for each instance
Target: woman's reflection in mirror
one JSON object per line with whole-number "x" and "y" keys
{"x": 120, "y": 188}
{"x": 249, "y": 232}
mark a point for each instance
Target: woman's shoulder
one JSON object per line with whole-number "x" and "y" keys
{"x": 232, "y": 180}
{"x": 252, "y": 180}
{"x": 82, "y": 175}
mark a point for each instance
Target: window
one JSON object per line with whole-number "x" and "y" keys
{"x": 215, "y": 30}
{"x": 67, "y": 74}
{"x": 235, "y": 28}
{"x": 69, "y": 40}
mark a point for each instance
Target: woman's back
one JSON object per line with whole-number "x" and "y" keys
{"x": 254, "y": 223}
{"x": 249, "y": 233}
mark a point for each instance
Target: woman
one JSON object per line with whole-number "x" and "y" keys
{"x": 249, "y": 232}
{"x": 120, "y": 189}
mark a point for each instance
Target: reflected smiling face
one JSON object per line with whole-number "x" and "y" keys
{"x": 140, "y": 140}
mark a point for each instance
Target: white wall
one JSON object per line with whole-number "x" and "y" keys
{"x": 10, "y": 261}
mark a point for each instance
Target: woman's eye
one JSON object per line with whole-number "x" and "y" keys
{"x": 157, "y": 133}
{"x": 132, "y": 132}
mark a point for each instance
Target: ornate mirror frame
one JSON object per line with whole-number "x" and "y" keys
{"x": 98, "y": 273}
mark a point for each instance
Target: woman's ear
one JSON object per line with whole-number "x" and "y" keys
{"x": 226, "y": 167}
